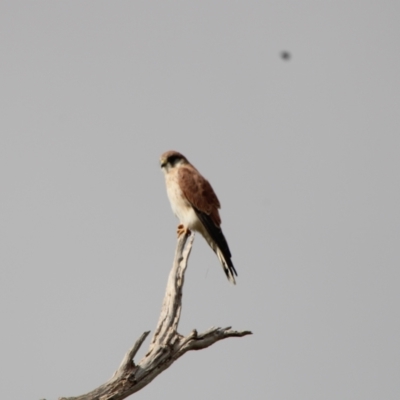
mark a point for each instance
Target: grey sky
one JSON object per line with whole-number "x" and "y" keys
{"x": 303, "y": 154}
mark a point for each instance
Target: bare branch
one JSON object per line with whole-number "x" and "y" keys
{"x": 167, "y": 345}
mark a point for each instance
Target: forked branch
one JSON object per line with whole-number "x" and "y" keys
{"x": 167, "y": 345}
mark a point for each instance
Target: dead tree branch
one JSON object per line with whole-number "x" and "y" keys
{"x": 167, "y": 345}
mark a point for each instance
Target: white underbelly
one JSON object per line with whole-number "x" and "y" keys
{"x": 182, "y": 208}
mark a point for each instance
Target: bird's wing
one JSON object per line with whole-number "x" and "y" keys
{"x": 199, "y": 193}
{"x": 205, "y": 203}
{"x": 203, "y": 199}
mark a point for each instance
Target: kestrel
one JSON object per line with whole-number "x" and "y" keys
{"x": 196, "y": 205}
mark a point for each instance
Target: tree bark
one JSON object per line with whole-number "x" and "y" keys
{"x": 167, "y": 345}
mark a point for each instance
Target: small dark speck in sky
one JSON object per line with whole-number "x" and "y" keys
{"x": 285, "y": 55}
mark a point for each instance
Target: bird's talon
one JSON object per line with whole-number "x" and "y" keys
{"x": 182, "y": 230}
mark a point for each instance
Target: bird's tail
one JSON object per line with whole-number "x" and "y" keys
{"x": 224, "y": 258}
{"x": 227, "y": 265}
{"x": 216, "y": 239}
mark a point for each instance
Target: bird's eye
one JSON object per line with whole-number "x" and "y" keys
{"x": 173, "y": 160}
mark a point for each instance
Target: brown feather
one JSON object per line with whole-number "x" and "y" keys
{"x": 199, "y": 193}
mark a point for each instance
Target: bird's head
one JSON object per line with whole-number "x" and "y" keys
{"x": 171, "y": 159}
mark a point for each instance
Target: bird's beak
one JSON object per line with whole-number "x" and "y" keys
{"x": 163, "y": 162}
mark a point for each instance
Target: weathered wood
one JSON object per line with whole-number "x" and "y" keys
{"x": 167, "y": 345}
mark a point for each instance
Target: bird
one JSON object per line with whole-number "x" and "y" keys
{"x": 195, "y": 204}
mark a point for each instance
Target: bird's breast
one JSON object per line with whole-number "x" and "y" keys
{"x": 179, "y": 204}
